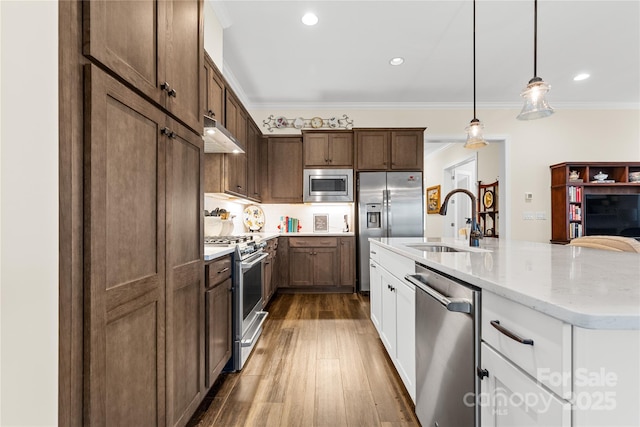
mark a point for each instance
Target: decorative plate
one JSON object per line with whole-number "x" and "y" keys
{"x": 334, "y": 122}
{"x": 298, "y": 123}
{"x": 316, "y": 122}
{"x": 281, "y": 122}
{"x": 488, "y": 199}
{"x": 253, "y": 218}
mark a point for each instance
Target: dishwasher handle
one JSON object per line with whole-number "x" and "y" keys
{"x": 458, "y": 305}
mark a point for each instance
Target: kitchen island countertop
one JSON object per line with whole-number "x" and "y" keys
{"x": 589, "y": 288}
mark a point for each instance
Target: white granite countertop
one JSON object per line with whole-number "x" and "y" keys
{"x": 589, "y": 288}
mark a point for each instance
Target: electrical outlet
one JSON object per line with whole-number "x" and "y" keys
{"x": 541, "y": 215}
{"x": 527, "y": 216}
{"x": 528, "y": 197}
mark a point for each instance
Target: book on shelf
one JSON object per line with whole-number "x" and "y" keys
{"x": 575, "y": 194}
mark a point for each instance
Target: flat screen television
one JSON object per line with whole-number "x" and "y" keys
{"x": 612, "y": 215}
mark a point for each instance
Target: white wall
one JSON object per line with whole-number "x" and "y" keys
{"x": 532, "y": 146}
{"x": 213, "y": 35}
{"x": 29, "y": 213}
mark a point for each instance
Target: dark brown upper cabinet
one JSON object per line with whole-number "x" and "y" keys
{"x": 389, "y": 149}
{"x": 328, "y": 149}
{"x": 214, "y": 90}
{"x": 153, "y": 46}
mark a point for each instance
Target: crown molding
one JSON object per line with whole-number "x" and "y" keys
{"x": 433, "y": 105}
{"x": 230, "y": 77}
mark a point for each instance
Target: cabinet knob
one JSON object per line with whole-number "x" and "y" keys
{"x": 173, "y": 93}
{"x": 211, "y": 113}
{"x": 167, "y": 132}
{"x": 481, "y": 373}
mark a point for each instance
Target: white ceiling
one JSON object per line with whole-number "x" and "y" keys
{"x": 279, "y": 62}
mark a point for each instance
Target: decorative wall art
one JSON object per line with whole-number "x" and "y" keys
{"x": 281, "y": 122}
{"x": 320, "y": 223}
{"x": 433, "y": 199}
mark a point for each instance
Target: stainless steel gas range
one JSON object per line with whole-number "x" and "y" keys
{"x": 248, "y": 276}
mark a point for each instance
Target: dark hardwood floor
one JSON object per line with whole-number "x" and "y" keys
{"x": 319, "y": 362}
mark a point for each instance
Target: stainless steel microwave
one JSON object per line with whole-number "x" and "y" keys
{"x": 328, "y": 185}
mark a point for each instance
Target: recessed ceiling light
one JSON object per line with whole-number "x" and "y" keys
{"x": 309, "y": 19}
{"x": 581, "y": 76}
{"x": 396, "y": 61}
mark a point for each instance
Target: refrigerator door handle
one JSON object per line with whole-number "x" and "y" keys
{"x": 389, "y": 214}
{"x": 385, "y": 213}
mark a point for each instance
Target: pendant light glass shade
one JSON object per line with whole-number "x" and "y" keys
{"x": 475, "y": 139}
{"x": 535, "y": 102}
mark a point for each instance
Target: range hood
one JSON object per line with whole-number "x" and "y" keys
{"x": 217, "y": 139}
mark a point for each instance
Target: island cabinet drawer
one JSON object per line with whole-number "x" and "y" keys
{"x": 538, "y": 344}
{"x": 396, "y": 264}
{"x": 374, "y": 253}
{"x": 218, "y": 271}
{"x": 313, "y": 242}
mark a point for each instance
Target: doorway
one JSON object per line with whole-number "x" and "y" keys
{"x": 460, "y": 175}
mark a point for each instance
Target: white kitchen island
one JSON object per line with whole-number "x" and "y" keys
{"x": 581, "y": 308}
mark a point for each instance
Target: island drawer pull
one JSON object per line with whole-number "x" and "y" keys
{"x": 505, "y": 331}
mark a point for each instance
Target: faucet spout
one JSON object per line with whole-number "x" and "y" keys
{"x": 476, "y": 234}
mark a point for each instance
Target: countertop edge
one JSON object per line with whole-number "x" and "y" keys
{"x": 575, "y": 318}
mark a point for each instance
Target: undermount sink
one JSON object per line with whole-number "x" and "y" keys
{"x": 434, "y": 248}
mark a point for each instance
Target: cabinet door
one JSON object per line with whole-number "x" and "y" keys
{"x": 512, "y": 398}
{"x": 214, "y": 99}
{"x": 316, "y": 149}
{"x": 373, "y": 150}
{"x": 280, "y": 275}
{"x": 347, "y": 261}
{"x": 301, "y": 266}
{"x": 235, "y": 173}
{"x": 388, "y": 334}
{"x": 231, "y": 114}
{"x": 218, "y": 326}
{"x": 284, "y": 170}
{"x": 124, "y": 245}
{"x": 326, "y": 269}
{"x": 185, "y": 274}
{"x": 375, "y": 294}
{"x": 253, "y": 162}
{"x": 406, "y": 335}
{"x": 184, "y": 58}
{"x": 266, "y": 283}
{"x": 341, "y": 149}
{"x": 406, "y": 150}
{"x": 125, "y": 37}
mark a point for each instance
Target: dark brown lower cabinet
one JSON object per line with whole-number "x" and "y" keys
{"x": 218, "y": 318}
{"x": 321, "y": 263}
{"x": 144, "y": 336}
{"x": 269, "y": 285}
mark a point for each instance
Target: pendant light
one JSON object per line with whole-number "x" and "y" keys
{"x": 475, "y": 139}
{"x": 535, "y": 103}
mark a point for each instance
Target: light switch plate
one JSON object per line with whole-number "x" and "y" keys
{"x": 527, "y": 216}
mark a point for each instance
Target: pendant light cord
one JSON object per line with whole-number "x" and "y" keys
{"x": 474, "y": 59}
{"x": 535, "y": 38}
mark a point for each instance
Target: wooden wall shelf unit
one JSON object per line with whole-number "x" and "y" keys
{"x": 567, "y": 192}
{"x": 488, "y": 208}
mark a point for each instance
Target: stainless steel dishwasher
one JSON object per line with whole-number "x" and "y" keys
{"x": 447, "y": 350}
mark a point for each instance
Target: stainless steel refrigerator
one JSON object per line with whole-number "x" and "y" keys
{"x": 390, "y": 204}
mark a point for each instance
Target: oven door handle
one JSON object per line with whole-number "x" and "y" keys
{"x": 249, "y": 265}
{"x": 255, "y": 329}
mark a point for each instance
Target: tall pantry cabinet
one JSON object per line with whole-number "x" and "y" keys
{"x": 142, "y": 286}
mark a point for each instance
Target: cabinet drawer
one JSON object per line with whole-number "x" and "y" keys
{"x": 548, "y": 360}
{"x": 313, "y": 242}
{"x": 396, "y": 264}
{"x": 218, "y": 271}
{"x": 511, "y": 398}
{"x": 374, "y": 253}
